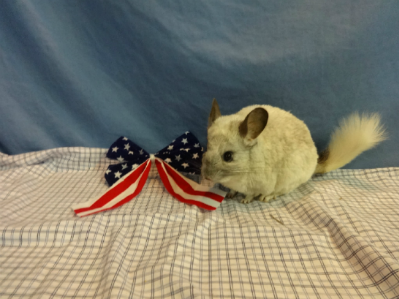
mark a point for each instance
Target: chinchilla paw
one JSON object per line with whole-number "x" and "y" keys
{"x": 231, "y": 194}
{"x": 267, "y": 198}
{"x": 247, "y": 199}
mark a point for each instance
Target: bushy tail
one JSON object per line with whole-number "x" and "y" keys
{"x": 355, "y": 134}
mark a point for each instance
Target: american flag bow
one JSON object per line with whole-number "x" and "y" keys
{"x": 128, "y": 178}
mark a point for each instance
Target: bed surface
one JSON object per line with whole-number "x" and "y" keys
{"x": 334, "y": 237}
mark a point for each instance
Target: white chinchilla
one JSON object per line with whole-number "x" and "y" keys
{"x": 263, "y": 151}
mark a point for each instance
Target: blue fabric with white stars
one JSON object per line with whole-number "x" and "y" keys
{"x": 184, "y": 154}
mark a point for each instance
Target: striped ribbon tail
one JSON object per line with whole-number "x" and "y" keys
{"x": 124, "y": 190}
{"x": 186, "y": 190}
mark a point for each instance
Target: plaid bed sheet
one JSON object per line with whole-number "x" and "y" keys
{"x": 335, "y": 237}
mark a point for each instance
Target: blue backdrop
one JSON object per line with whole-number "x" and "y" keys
{"x": 82, "y": 73}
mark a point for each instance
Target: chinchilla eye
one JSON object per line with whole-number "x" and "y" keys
{"x": 228, "y": 156}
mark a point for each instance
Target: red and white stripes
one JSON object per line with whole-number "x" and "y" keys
{"x": 118, "y": 194}
{"x": 186, "y": 190}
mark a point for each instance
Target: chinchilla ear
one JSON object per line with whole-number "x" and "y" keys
{"x": 215, "y": 113}
{"x": 253, "y": 125}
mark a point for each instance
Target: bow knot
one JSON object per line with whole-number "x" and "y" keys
{"x": 128, "y": 177}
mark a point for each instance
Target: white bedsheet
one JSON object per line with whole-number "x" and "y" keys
{"x": 335, "y": 237}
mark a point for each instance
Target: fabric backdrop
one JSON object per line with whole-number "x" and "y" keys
{"x": 83, "y": 73}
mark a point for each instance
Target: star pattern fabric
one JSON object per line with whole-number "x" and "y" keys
{"x": 184, "y": 154}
